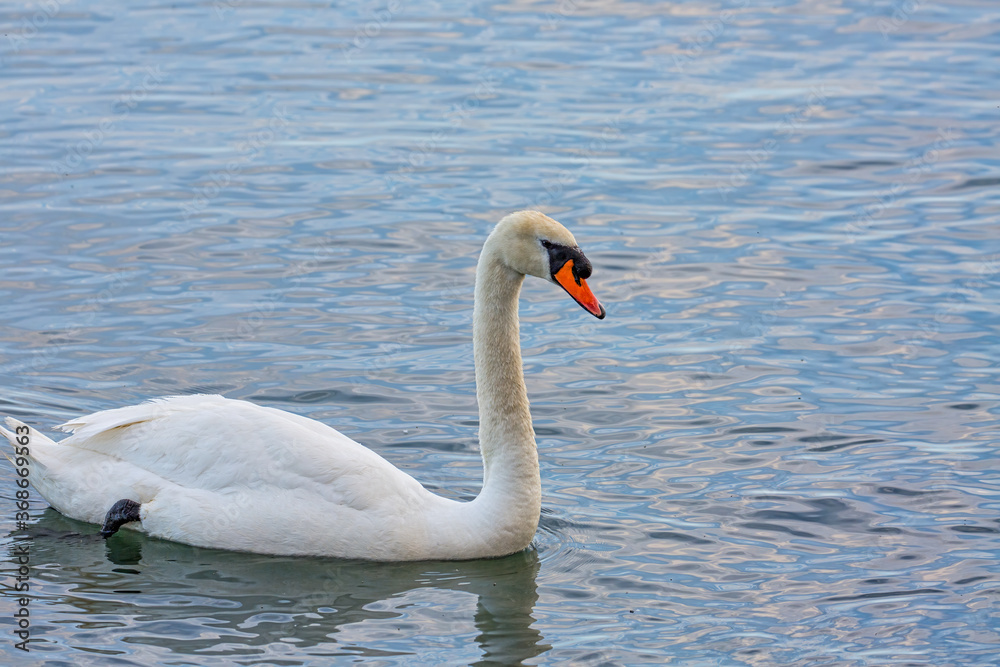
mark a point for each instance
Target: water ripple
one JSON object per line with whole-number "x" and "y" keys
{"x": 777, "y": 448}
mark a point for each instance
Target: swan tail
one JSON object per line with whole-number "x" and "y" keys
{"x": 11, "y": 437}
{"x": 23, "y": 439}
{"x": 32, "y": 455}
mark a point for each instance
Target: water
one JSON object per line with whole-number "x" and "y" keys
{"x": 779, "y": 447}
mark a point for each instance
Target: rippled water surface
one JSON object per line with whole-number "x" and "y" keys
{"x": 778, "y": 448}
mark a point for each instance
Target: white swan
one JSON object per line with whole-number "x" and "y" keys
{"x": 215, "y": 472}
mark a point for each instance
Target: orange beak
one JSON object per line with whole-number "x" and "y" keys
{"x": 578, "y": 289}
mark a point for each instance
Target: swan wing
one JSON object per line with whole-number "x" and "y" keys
{"x": 211, "y": 443}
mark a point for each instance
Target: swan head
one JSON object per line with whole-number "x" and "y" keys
{"x": 533, "y": 244}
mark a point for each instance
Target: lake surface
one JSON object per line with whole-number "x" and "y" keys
{"x": 778, "y": 448}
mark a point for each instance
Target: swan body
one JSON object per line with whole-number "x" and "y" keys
{"x": 229, "y": 474}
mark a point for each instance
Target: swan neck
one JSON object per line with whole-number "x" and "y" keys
{"x": 506, "y": 437}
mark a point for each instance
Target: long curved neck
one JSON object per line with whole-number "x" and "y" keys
{"x": 511, "y": 485}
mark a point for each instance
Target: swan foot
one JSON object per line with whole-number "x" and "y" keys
{"x": 122, "y": 512}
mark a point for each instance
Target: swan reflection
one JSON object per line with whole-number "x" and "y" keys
{"x": 187, "y": 601}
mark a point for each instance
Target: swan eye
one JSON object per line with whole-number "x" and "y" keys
{"x": 560, "y": 254}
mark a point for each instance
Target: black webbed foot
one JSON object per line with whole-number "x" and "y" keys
{"x": 122, "y": 512}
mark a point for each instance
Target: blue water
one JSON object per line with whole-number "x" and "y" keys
{"x": 778, "y": 448}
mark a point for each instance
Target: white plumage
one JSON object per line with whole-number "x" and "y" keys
{"x": 229, "y": 474}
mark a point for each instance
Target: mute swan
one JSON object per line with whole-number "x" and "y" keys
{"x": 228, "y": 474}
